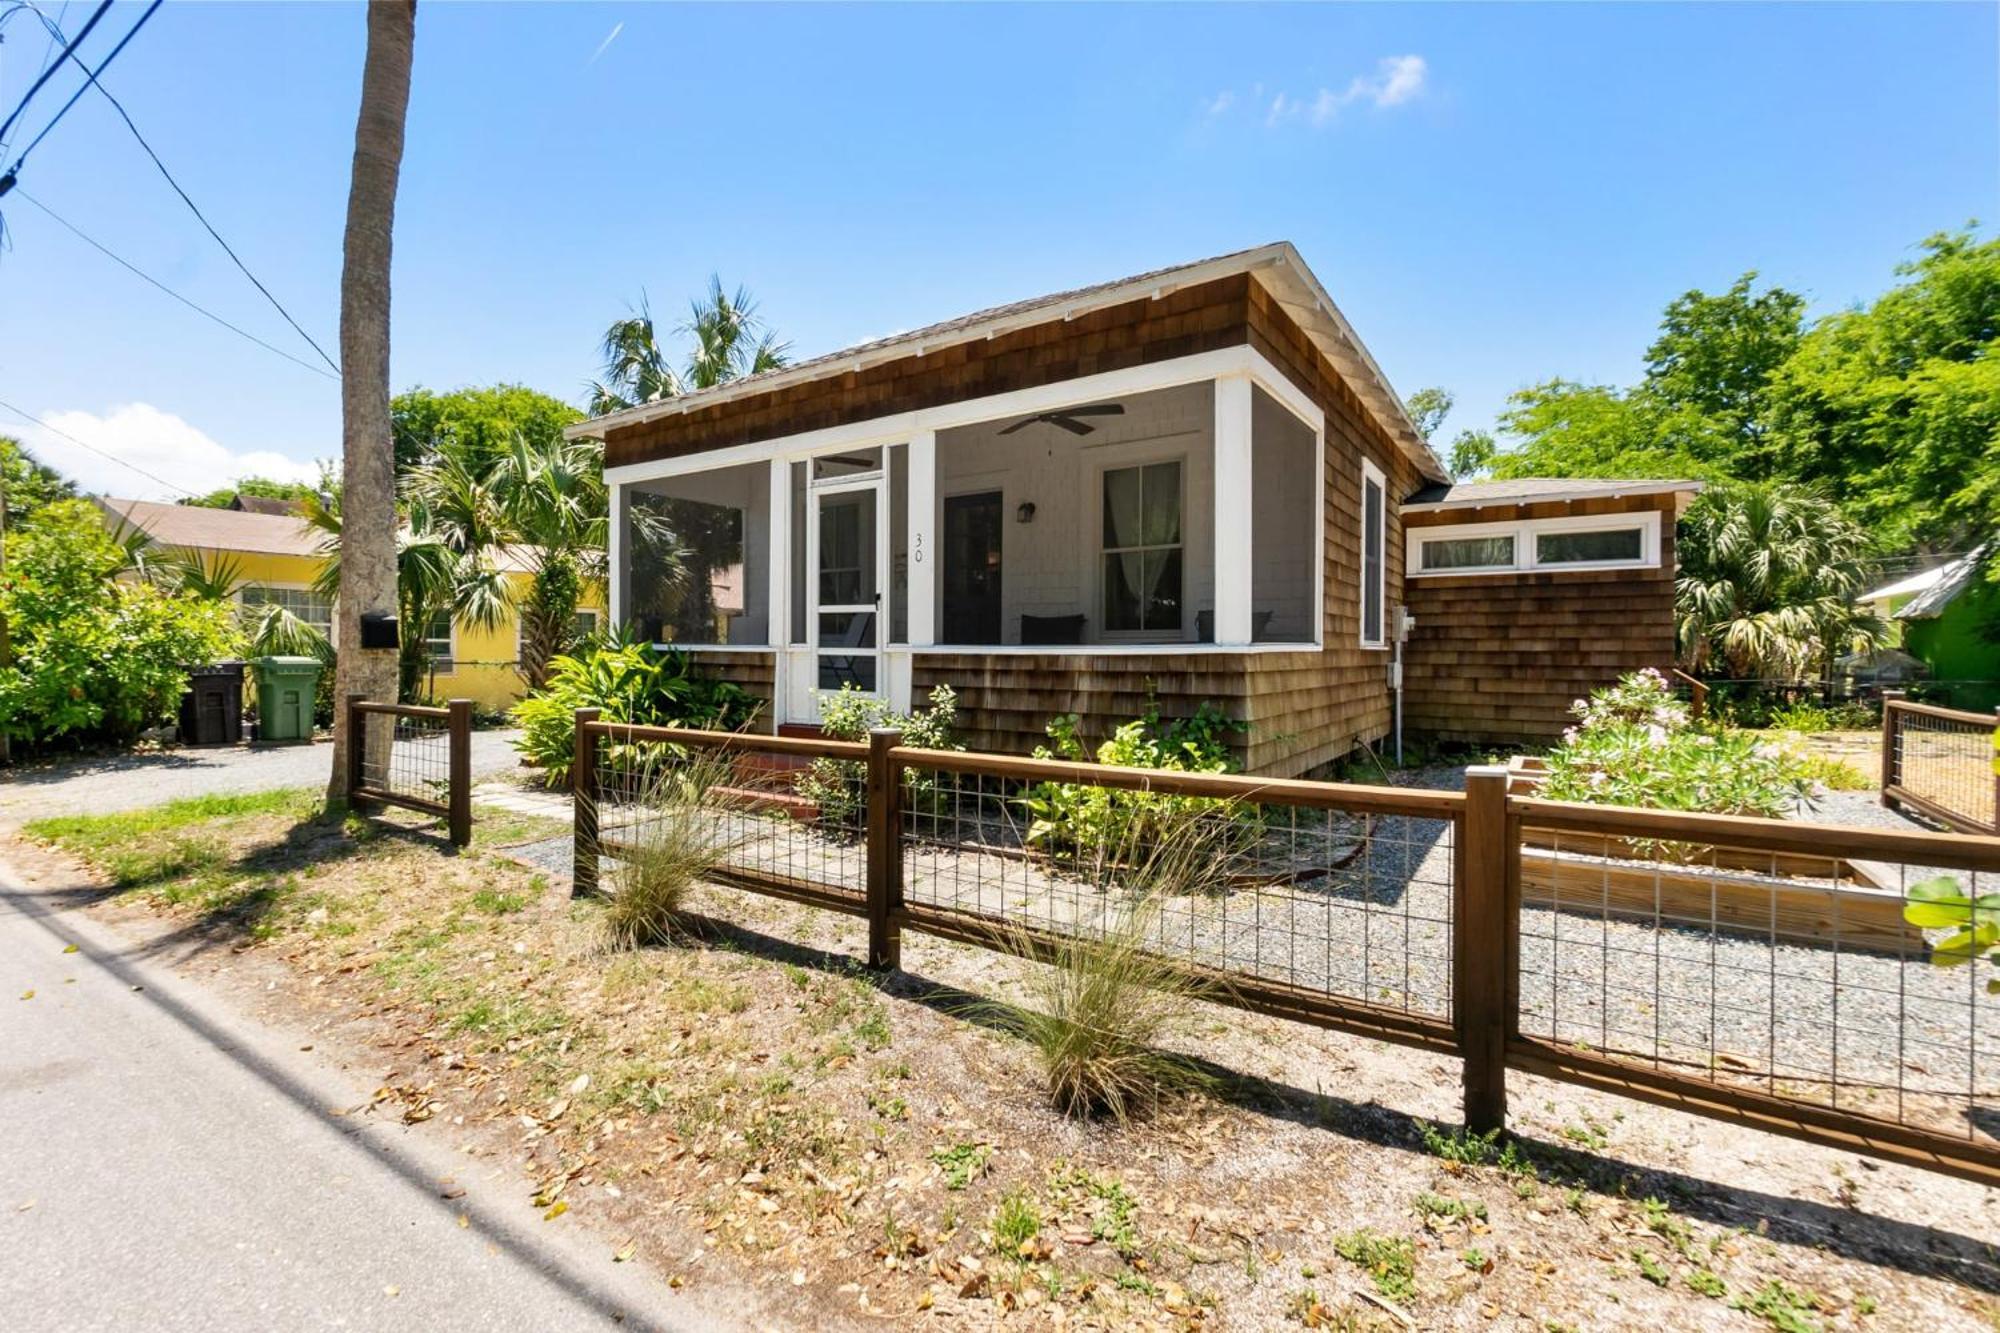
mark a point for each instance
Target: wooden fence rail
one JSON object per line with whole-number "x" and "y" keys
{"x": 1941, "y": 763}
{"x": 1483, "y": 833}
{"x": 399, "y": 763}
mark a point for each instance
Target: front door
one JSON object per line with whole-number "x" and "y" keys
{"x": 971, "y": 573}
{"x": 845, "y": 548}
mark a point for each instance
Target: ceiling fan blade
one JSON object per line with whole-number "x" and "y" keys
{"x": 1096, "y": 410}
{"x": 1020, "y": 425}
{"x": 1071, "y": 424}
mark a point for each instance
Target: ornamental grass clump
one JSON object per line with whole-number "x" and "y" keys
{"x": 1096, "y": 1015}
{"x": 680, "y": 828}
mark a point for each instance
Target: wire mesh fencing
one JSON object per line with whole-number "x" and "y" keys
{"x": 1821, "y": 971}
{"x": 415, "y": 757}
{"x": 1267, "y": 886}
{"x": 1818, "y": 981}
{"x": 1941, "y": 763}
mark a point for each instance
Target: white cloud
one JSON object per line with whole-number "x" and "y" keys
{"x": 157, "y": 442}
{"x": 1396, "y": 80}
{"x": 1216, "y": 105}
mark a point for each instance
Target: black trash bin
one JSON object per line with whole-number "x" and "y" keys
{"x": 212, "y": 708}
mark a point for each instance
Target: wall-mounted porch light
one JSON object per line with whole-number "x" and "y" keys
{"x": 1025, "y": 512}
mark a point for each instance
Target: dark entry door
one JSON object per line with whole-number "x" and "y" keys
{"x": 972, "y": 568}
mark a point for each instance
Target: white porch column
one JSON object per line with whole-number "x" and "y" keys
{"x": 922, "y": 519}
{"x": 1232, "y": 510}
{"x": 778, "y": 581}
{"x": 618, "y": 593}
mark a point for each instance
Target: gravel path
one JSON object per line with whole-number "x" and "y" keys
{"x": 128, "y": 781}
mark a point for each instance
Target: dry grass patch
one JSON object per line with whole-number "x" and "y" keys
{"x": 742, "y": 1110}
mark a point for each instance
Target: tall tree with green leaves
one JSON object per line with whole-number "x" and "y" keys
{"x": 27, "y": 484}
{"x": 727, "y": 339}
{"x": 479, "y": 423}
{"x": 1716, "y": 355}
{"x": 1768, "y": 577}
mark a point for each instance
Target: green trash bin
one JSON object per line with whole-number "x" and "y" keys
{"x": 285, "y": 688}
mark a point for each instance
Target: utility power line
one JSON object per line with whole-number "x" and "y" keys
{"x": 192, "y": 207}
{"x": 68, "y": 46}
{"x": 138, "y": 272}
{"x": 150, "y": 476}
{"x": 7, "y": 181}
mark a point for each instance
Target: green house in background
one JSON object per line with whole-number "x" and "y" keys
{"x": 1949, "y": 618}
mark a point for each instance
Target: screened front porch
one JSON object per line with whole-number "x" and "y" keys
{"x": 1184, "y": 518}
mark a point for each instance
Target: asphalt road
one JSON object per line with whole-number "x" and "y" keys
{"x": 165, "y": 1165}
{"x": 127, "y": 781}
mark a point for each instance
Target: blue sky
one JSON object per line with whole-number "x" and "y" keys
{"x": 1494, "y": 194}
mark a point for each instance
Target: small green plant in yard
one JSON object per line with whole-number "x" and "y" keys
{"x": 1476, "y": 1259}
{"x": 873, "y": 1031}
{"x": 1865, "y": 1305}
{"x": 1460, "y": 1147}
{"x": 676, "y": 834}
{"x": 836, "y": 785}
{"x": 1390, "y": 1261}
{"x": 1652, "y": 1269}
{"x": 888, "y": 1107}
{"x": 962, "y": 1163}
{"x": 1304, "y": 1306}
{"x": 1702, "y": 1282}
{"x": 1454, "y": 1210}
{"x": 496, "y": 903}
{"x": 1782, "y": 1307}
{"x": 1096, "y": 1015}
{"x": 1016, "y": 1223}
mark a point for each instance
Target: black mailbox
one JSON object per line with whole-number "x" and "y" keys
{"x": 378, "y": 630}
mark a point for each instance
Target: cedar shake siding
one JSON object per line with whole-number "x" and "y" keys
{"x": 1499, "y": 658}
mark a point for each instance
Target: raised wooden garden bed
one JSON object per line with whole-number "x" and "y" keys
{"x": 1795, "y": 897}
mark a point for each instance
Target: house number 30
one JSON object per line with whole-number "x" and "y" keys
{"x": 917, "y": 549}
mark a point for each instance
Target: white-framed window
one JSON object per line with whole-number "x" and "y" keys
{"x": 438, "y": 644}
{"x": 1604, "y": 541}
{"x": 1143, "y": 570}
{"x": 304, "y": 603}
{"x": 1374, "y": 549}
{"x": 582, "y": 625}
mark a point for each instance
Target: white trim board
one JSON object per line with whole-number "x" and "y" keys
{"x": 1524, "y": 533}
{"x": 1370, "y": 472}
{"x": 900, "y": 427}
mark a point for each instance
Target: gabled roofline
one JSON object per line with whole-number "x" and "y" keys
{"x": 1278, "y": 266}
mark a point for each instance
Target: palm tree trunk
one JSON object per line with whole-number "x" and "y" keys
{"x": 368, "y": 455}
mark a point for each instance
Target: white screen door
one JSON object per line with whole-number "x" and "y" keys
{"x": 847, "y": 549}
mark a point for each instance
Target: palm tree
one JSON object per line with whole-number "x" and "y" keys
{"x": 367, "y": 569}
{"x": 554, "y": 503}
{"x": 729, "y": 340}
{"x": 1768, "y": 577}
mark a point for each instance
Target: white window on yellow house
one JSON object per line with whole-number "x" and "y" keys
{"x": 581, "y": 626}
{"x": 438, "y": 644}
{"x": 304, "y": 603}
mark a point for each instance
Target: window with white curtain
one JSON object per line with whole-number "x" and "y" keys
{"x": 1143, "y": 557}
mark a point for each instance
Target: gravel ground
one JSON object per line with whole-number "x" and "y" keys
{"x": 128, "y": 781}
{"x": 1370, "y": 919}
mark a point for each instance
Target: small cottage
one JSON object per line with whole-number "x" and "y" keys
{"x": 1194, "y": 484}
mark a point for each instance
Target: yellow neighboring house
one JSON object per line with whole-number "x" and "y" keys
{"x": 277, "y": 557}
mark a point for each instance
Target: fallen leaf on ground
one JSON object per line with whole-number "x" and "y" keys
{"x": 28, "y": 995}
{"x": 69, "y": 948}
{"x": 625, "y": 1252}
{"x": 556, "y": 1209}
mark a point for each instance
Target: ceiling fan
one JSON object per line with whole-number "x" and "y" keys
{"x": 1067, "y": 418}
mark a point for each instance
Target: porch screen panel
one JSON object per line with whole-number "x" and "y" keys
{"x": 687, "y": 569}
{"x": 1143, "y": 564}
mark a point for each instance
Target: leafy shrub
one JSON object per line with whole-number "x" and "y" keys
{"x": 1090, "y": 821}
{"x": 1634, "y": 745}
{"x": 1942, "y": 903}
{"x": 639, "y": 683}
{"x": 836, "y": 785}
{"x": 95, "y": 657}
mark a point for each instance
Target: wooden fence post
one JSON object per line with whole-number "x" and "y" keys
{"x": 1995, "y": 760}
{"x": 357, "y": 749}
{"x": 459, "y": 739}
{"x": 1483, "y": 946}
{"x": 1890, "y": 698}
{"x": 585, "y": 794}
{"x": 885, "y": 848}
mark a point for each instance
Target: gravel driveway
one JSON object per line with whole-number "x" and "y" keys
{"x": 127, "y": 781}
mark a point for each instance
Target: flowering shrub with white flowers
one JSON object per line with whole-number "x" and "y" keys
{"x": 1634, "y": 744}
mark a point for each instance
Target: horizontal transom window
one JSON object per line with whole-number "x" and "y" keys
{"x": 1612, "y": 541}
